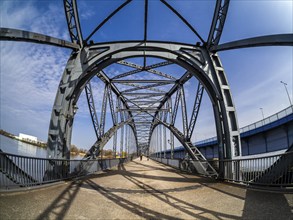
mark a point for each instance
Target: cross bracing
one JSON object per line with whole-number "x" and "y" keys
{"x": 145, "y": 97}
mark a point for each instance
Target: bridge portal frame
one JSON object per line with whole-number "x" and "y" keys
{"x": 88, "y": 62}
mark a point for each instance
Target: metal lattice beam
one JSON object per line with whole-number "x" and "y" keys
{"x": 111, "y": 103}
{"x": 91, "y": 105}
{"x": 184, "y": 111}
{"x": 195, "y": 110}
{"x": 217, "y": 26}
{"x": 176, "y": 104}
{"x": 73, "y": 22}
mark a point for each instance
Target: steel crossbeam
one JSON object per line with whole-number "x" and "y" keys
{"x": 143, "y": 81}
{"x": 141, "y": 68}
{"x": 148, "y": 69}
{"x": 147, "y": 98}
{"x": 147, "y": 87}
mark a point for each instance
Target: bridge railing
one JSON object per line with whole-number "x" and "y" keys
{"x": 276, "y": 170}
{"x": 268, "y": 120}
{"x": 22, "y": 171}
{"x": 279, "y": 115}
{"x": 267, "y": 171}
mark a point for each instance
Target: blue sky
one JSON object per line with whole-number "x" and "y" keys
{"x": 30, "y": 73}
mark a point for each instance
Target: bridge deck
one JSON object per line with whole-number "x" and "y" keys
{"x": 145, "y": 189}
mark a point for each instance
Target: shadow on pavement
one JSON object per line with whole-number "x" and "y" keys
{"x": 60, "y": 206}
{"x": 257, "y": 205}
{"x": 264, "y": 205}
{"x": 161, "y": 195}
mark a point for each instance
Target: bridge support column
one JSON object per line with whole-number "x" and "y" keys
{"x": 59, "y": 138}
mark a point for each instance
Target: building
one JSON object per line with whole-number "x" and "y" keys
{"x": 26, "y": 137}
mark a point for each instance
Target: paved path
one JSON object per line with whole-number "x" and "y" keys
{"x": 145, "y": 190}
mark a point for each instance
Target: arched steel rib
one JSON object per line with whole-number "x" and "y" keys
{"x": 269, "y": 40}
{"x": 106, "y": 19}
{"x": 184, "y": 20}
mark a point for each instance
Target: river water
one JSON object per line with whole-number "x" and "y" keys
{"x": 12, "y": 146}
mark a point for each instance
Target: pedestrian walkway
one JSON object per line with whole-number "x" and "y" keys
{"x": 145, "y": 190}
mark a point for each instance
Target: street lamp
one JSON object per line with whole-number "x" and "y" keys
{"x": 263, "y": 117}
{"x": 285, "y": 85}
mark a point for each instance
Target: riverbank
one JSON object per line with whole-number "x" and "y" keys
{"x": 12, "y": 136}
{"x": 74, "y": 151}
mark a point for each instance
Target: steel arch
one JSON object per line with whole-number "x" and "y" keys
{"x": 197, "y": 60}
{"x": 88, "y": 59}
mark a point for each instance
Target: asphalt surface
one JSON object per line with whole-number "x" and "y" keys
{"x": 145, "y": 190}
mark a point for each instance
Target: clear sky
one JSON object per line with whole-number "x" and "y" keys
{"x": 30, "y": 73}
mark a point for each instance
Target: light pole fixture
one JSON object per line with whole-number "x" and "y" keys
{"x": 285, "y": 85}
{"x": 263, "y": 117}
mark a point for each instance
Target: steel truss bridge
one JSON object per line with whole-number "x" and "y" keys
{"x": 140, "y": 105}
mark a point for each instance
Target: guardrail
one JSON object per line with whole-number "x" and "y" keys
{"x": 266, "y": 171}
{"x": 274, "y": 170}
{"x": 268, "y": 120}
{"x": 22, "y": 171}
{"x": 279, "y": 115}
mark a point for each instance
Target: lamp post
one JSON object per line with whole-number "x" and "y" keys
{"x": 285, "y": 85}
{"x": 263, "y": 117}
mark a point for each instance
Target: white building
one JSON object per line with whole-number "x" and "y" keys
{"x": 26, "y": 137}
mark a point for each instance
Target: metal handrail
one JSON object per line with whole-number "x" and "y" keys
{"x": 279, "y": 115}
{"x": 267, "y": 171}
{"x": 26, "y": 171}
